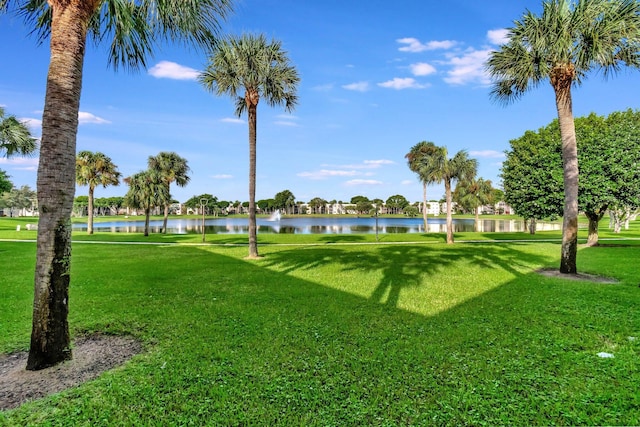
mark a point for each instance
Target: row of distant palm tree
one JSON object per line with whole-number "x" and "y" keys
{"x": 147, "y": 189}
{"x": 433, "y": 165}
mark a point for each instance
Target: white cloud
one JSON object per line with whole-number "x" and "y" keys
{"x": 285, "y": 123}
{"x": 222, "y": 176}
{"x": 422, "y": 69}
{"x": 378, "y": 163}
{"x": 402, "y": 83}
{"x": 232, "y": 120}
{"x": 326, "y": 173}
{"x": 468, "y": 68}
{"x": 84, "y": 118}
{"x": 286, "y": 120}
{"x": 21, "y": 163}
{"x": 358, "y": 86}
{"x": 323, "y": 88}
{"x": 414, "y": 45}
{"x": 498, "y": 37}
{"x": 171, "y": 70}
{"x": 34, "y": 125}
{"x": 492, "y": 154}
{"x": 355, "y": 182}
{"x": 407, "y": 182}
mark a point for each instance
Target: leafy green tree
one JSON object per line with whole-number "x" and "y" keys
{"x": 357, "y": 199}
{"x": 266, "y": 205}
{"x": 80, "y": 204}
{"x": 425, "y": 158}
{"x": 15, "y": 137}
{"x": 196, "y": 201}
{"x": 147, "y": 190}
{"x": 285, "y": 200}
{"x": 411, "y": 211}
{"x": 474, "y": 194}
{"x": 318, "y": 205}
{"x": 95, "y": 169}
{"x": 563, "y": 44}
{"x": 172, "y": 168}
{"x": 608, "y": 152}
{"x": 130, "y": 29}
{"x": 364, "y": 206}
{"x": 451, "y": 170}
{"x": 262, "y": 70}
{"x": 532, "y": 176}
{"x": 5, "y": 183}
{"x": 18, "y": 198}
{"x": 397, "y": 203}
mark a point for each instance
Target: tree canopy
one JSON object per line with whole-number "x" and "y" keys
{"x": 562, "y": 45}
{"x": 5, "y": 183}
{"x": 608, "y": 151}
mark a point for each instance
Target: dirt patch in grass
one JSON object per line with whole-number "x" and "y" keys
{"x": 550, "y": 272}
{"x": 92, "y": 355}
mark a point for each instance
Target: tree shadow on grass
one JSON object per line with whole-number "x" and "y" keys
{"x": 342, "y": 238}
{"x": 404, "y": 266}
{"x": 237, "y": 343}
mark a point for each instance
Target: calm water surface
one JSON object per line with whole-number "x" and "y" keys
{"x": 311, "y": 225}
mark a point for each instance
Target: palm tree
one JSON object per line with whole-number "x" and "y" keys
{"x": 147, "y": 190}
{"x": 474, "y": 194}
{"x": 423, "y": 159}
{"x": 172, "y": 168}
{"x": 15, "y": 137}
{"x": 564, "y": 44}
{"x": 262, "y": 70}
{"x": 95, "y": 169}
{"x": 449, "y": 170}
{"x": 130, "y": 29}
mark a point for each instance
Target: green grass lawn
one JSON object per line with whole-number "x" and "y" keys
{"x": 419, "y": 333}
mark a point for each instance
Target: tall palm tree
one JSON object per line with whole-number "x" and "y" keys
{"x": 563, "y": 44}
{"x": 172, "y": 168}
{"x": 130, "y": 29}
{"x": 449, "y": 170}
{"x": 474, "y": 194}
{"x": 147, "y": 190}
{"x": 261, "y": 69}
{"x": 15, "y": 137}
{"x": 423, "y": 159}
{"x": 95, "y": 169}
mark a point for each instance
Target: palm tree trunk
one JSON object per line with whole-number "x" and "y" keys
{"x": 253, "y": 238}
{"x": 166, "y": 218}
{"x": 50, "y": 340}
{"x": 447, "y": 192}
{"x": 424, "y": 207}
{"x": 569, "y": 249}
{"x": 147, "y": 214}
{"x": 90, "y": 211}
{"x": 477, "y": 220}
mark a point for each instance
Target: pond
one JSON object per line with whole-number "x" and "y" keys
{"x": 312, "y": 225}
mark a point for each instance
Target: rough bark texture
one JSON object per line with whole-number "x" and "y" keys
{"x": 166, "y": 218}
{"x": 50, "y": 341}
{"x": 90, "y": 211}
{"x": 594, "y": 219}
{"x": 447, "y": 191}
{"x": 252, "y": 99}
{"x": 561, "y": 80}
{"x": 424, "y": 207}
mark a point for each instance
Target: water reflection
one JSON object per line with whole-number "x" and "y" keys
{"x": 313, "y": 225}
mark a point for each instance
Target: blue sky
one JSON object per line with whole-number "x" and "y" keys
{"x": 376, "y": 78}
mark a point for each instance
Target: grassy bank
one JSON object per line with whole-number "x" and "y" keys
{"x": 328, "y": 334}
